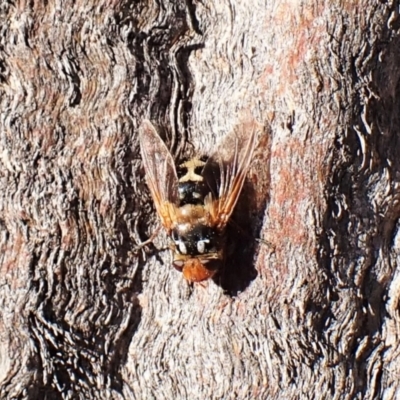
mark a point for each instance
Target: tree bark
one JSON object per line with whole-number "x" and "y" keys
{"x": 309, "y": 312}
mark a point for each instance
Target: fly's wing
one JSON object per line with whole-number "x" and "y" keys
{"x": 225, "y": 172}
{"x": 160, "y": 171}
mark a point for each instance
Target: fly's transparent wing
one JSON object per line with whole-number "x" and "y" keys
{"x": 160, "y": 171}
{"x": 225, "y": 172}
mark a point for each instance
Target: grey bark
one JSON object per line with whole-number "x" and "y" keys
{"x": 312, "y": 312}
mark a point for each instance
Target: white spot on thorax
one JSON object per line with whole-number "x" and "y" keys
{"x": 201, "y": 245}
{"x": 181, "y": 246}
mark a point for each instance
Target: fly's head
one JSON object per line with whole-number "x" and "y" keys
{"x": 198, "y": 251}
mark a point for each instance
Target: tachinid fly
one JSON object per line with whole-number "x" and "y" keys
{"x": 196, "y": 199}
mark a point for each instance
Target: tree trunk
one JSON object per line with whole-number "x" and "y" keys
{"x": 309, "y": 312}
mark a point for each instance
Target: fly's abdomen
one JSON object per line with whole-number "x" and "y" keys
{"x": 192, "y": 188}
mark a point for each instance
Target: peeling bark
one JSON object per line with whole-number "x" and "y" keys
{"x": 311, "y": 312}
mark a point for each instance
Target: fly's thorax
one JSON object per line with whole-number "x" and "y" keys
{"x": 190, "y": 215}
{"x": 196, "y": 239}
{"x": 192, "y": 188}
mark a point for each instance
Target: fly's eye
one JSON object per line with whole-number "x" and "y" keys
{"x": 212, "y": 265}
{"x": 201, "y": 245}
{"x": 178, "y": 265}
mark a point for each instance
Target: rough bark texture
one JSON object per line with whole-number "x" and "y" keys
{"x": 312, "y": 314}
